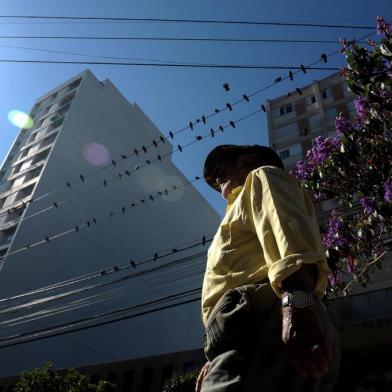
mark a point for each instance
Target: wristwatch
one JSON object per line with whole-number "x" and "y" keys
{"x": 298, "y": 299}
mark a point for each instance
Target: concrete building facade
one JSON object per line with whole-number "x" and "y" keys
{"x": 93, "y": 166}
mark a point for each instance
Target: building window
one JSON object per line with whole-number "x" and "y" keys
{"x": 25, "y": 192}
{"x": 67, "y": 99}
{"x": 33, "y": 137}
{"x": 325, "y": 94}
{"x": 290, "y": 151}
{"x": 284, "y": 154}
{"x": 24, "y": 153}
{"x": 310, "y": 99}
{"x": 7, "y": 235}
{"x": 129, "y": 376}
{"x": 314, "y": 120}
{"x": 286, "y": 109}
{"x": 40, "y": 157}
{"x": 14, "y": 213}
{"x": 331, "y": 113}
{"x": 75, "y": 84}
{"x": 33, "y": 174}
{"x": 287, "y": 130}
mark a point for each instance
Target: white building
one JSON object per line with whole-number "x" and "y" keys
{"x": 79, "y": 128}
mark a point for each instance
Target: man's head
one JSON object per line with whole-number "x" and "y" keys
{"x": 227, "y": 166}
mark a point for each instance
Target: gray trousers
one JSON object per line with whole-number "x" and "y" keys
{"x": 244, "y": 345}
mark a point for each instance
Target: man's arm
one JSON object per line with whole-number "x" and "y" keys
{"x": 304, "y": 279}
{"x": 302, "y": 332}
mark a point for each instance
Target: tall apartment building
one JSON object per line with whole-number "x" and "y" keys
{"x": 74, "y": 164}
{"x": 295, "y": 120}
{"x": 365, "y": 317}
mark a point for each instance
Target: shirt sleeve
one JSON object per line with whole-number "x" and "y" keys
{"x": 284, "y": 220}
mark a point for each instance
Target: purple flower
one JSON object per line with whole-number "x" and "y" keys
{"x": 341, "y": 125}
{"x": 323, "y": 149}
{"x": 367, "y": 204}
{"x": 383, "y": 27}
{"x": 388, "y": 190}
{"x": 334, "y": 236}
{"x": 345, "y": 44}
{"x": 333, "y": 279}
{"x": 372, "y": 43}
{"x": 303, "y": 170}
{"x": 386, "y": 94}
{"x": 362, "y": 107}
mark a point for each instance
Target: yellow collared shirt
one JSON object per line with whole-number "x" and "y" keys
{"x": 269, "y": 231}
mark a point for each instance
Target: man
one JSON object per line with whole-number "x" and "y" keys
{"x": 266, "y": 328}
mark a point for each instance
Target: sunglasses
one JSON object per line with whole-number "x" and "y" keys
{"x": 223, "y": 169}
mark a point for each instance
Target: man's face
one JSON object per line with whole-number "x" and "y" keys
{"x": 231, "y": 173}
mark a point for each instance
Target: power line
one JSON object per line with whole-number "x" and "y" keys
{"x": 105, "y": 272}
{"x": 216, "y": 111}
{"x": 170, "y": 65}
{"x": 123, "y": 209}
{"x": 90, "y": 55}
{"x": 175, "y": 276}
{"x": 244, "y": 98}
{"x": 79, "y": 325}
{"x": 190, "y": 21}
{"x": 172, "y": 39}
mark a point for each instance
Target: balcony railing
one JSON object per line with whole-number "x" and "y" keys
{"x": 29, "y": 156}
{"x": 44, "y": 136}
{"x": 15, "y": 175}
{"x": 364, "y": 307}
{"x": 20, "y": 203}
{"x": 18, "y": 188}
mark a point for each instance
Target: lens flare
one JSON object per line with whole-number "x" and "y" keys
{"x": 149, "y": 178}
{"x": 20, "y": 119}
{"x": 96, "y": 154}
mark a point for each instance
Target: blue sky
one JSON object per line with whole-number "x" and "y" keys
{"x": 173, "y": 97}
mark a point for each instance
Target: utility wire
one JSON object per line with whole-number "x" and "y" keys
{"x": 172, "y": 39}
{"x": 54, "y": 298}
{"x": 164, "y": 280}
{"x": 190, "y": 21}
{"x": 91, "y": 55}
{"x": 217, "y": 111}
{"x": 158, "y": 255}
{"x": 79, "y": 325}
{"x": 123, "y": 209}
{"x": 170, "y": 65}
{"x": 172, "y": 134}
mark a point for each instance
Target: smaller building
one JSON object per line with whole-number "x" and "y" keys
{"x": 296, "y": 119}
{"x": 364, "y": 318}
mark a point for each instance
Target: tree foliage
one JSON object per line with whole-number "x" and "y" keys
{"x": 354, "y": 167}
{"x": 46, "y": 379}
{"x": 181, "y": 383}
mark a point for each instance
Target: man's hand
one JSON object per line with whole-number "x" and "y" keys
{"x": 202, "y": 374}
{"x": 303, "y": 336}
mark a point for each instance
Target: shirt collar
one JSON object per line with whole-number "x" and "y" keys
{"x": 233, "y": 196}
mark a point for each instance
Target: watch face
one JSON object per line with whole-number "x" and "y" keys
{"x": 300, "y": 299}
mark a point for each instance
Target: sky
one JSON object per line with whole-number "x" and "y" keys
{"x": 171, "y": 97}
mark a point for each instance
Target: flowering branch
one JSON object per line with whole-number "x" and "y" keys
{"x": 354, "y": 168}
